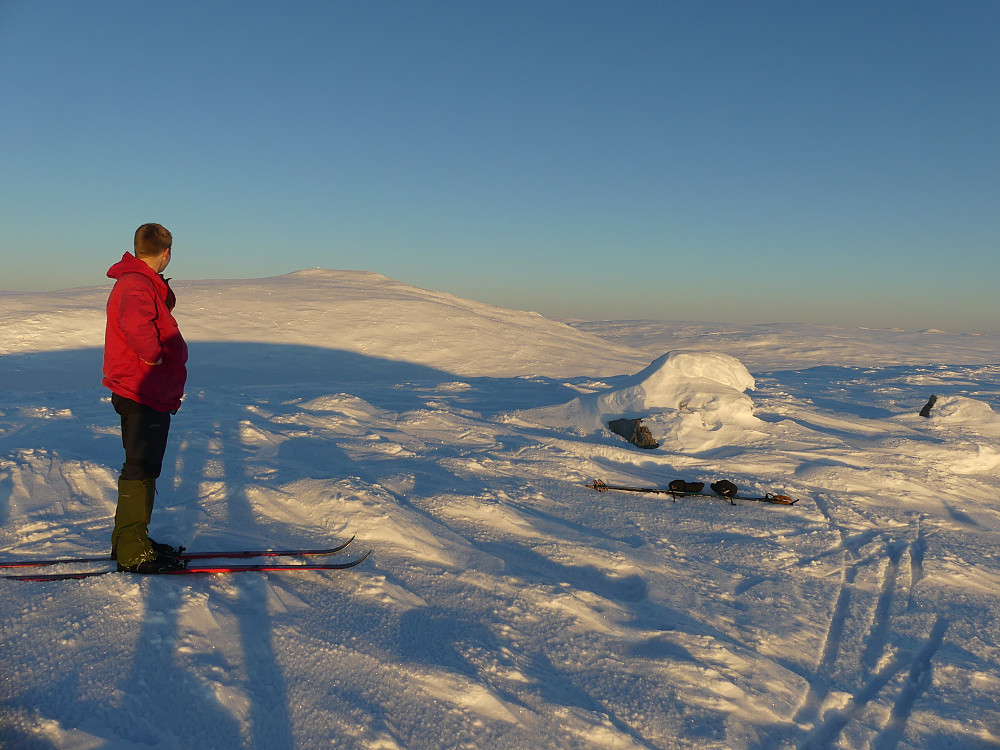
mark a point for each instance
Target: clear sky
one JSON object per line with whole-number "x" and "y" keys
{"x": 745, "y": 161}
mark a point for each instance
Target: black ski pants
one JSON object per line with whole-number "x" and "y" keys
{"x": 144, "y": 437}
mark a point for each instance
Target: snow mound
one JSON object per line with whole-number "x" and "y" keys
{"x": 967, "y": 413}
{"x": 709, "y": 384}
{"x": 962, "y": 409}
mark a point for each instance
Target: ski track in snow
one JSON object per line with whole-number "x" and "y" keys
{"x": 506, "y": 605}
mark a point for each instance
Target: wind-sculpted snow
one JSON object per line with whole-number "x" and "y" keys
{"x": 506, "y": 605}
{"x": 959, "y": 410}
{"x": 707, "y": 384}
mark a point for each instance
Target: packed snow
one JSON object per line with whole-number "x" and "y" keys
{"x": 506, "y": 604}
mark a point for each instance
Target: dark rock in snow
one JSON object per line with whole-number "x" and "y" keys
{"x": 635, "y": 432}
{"x": 926, "y": 411}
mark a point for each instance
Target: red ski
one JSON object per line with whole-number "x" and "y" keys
{"x": 197, "y": 570}
{"x": 183, "y": 555}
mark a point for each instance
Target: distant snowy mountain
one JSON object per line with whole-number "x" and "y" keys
{"x": 321, "y": 324}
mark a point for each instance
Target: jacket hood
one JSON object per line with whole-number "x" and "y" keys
{"x": 130, "y": 264}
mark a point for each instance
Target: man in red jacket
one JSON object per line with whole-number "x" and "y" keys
{"x": 144, "y": 366}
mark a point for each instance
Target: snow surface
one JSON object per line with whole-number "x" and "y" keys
{"x": 506, "y": 605}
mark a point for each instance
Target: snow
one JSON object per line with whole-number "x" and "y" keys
{"x": 506, "y": 605}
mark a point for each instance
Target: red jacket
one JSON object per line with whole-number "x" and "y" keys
{"x": 141, "y": 331}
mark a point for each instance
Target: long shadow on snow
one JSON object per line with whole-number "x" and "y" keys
{"x": 227, "y": 364}
{"x": 209, "y": 456}
{"x": 162, "y": 696}
{"x": 212, "y": 364}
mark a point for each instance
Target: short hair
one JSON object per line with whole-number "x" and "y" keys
{"x": 152, "y": 240}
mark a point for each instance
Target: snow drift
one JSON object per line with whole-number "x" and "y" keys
{"x": 965, "y": 412}
{"x": 708, "y": 386}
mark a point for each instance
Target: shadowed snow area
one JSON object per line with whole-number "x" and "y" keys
{"x": 505, "y": 605}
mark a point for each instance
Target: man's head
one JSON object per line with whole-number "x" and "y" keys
{"x": 152, "y": 245}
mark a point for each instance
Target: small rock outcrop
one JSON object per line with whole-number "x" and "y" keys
{"x": 635, "y": 432}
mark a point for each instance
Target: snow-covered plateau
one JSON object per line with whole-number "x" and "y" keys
{"x": 506, "y": 604}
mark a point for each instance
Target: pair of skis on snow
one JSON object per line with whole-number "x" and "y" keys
{"x": 197, "y": 568}
{"x": 600, "y": 486}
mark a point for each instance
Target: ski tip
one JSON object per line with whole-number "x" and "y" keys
{"x": 360, "y": 560}
{"x": 363, "y": 557}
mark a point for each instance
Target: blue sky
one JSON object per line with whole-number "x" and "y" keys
{"x": 735, "y": 161}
